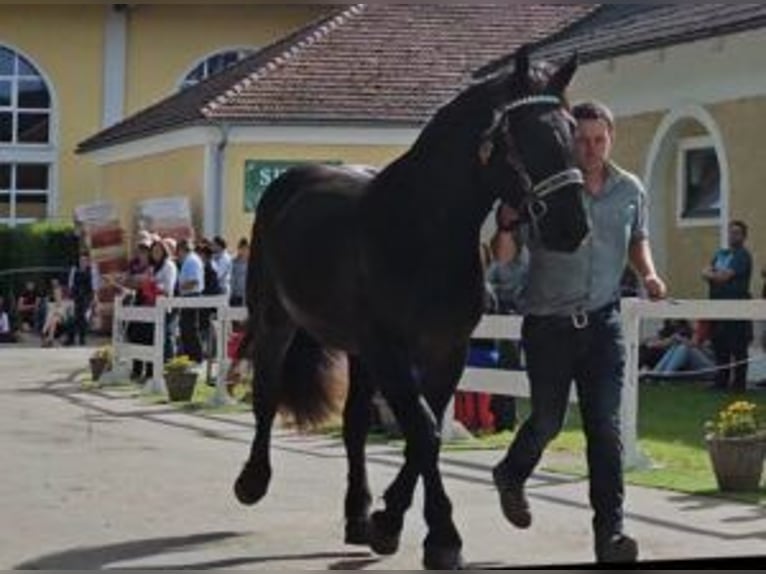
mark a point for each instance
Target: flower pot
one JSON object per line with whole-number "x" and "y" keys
{"x": 180, "y": 385}
{"x": 97, "y": 367}
{"x": 737, "y": 462}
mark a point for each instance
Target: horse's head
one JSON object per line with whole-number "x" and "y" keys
{"x": 527, "y": 154}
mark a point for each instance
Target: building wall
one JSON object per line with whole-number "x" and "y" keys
{"x": 66, "y": 46}
{"x": 238, "y": 222}
{"x": 67, "y": 43}
{"x": 741, "y": 123}
{"x": 172, "y": 173}
{"x": 165, "y": 41}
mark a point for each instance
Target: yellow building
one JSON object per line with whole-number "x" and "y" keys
{"x": 687, "y": 85}
{"x": 68, "y": 71}
{"x": 356, "y": 87}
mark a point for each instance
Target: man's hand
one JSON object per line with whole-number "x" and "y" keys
{"x": 655, "y": 287}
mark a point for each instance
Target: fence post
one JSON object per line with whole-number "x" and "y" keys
{"x": 221, "y": 396}
{"x": 157, "y": 383}
{"x": 632, "y": 456}
{"x": 116, "y": 330}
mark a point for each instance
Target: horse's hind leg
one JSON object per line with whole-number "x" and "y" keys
{"x": 356, "y": 424}
{"x": 271, "y": 344}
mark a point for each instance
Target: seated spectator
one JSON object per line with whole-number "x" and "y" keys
{"x": 686, "y": 355}
{"x": 26, "y": 306}
{"x": 58, "y": 316}
{"x": 652, "y": 350}
{"x": 6, "y": 332}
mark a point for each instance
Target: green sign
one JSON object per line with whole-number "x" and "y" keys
{"x": 260, "y": 173}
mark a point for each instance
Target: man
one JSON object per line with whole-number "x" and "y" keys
{"x": 239, "y": 273}
{"x": 728, "y": 277}
{"x": 82, "y": 291}
{"x": 222, "y": 264}
{"x": 191, "y": 283}
{"x": 572, "y": 331}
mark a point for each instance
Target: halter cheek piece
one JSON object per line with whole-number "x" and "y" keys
{"x": 535, "y": 194}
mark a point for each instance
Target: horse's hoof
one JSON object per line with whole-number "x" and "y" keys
{"x": 384, "y": 536}
{"x": 442, "y": 558}
{"x": 358, "y": 531}
{"x": 250, "y": 487}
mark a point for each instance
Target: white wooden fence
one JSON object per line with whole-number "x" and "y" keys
{"x": 513, "y": 383}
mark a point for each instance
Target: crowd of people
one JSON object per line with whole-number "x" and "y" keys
{"x": 165, "y": 267}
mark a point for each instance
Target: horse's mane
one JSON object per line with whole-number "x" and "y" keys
{"x": 481, "y": 98}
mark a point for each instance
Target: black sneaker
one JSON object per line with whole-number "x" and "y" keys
{"x": 513, "y": 501}
{"x": 620, "y": 548}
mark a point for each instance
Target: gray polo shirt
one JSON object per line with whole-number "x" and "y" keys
{"x": 588, "y": 279}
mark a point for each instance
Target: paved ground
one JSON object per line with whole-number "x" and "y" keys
{"x": 100, "y": 480}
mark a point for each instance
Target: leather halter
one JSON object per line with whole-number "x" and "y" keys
{"x": 535, "y": 194}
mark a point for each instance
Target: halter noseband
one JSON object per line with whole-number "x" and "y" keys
{"x": 535, "y": 193}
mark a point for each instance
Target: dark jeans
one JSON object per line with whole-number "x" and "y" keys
{"x": 189, "y": 326}
{"x": 594, "y": 357}
{"x": 730, "y": 340}
{"x": 80, "y": 325}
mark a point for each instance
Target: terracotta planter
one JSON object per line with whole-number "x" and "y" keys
{"x": 97, "y": 367}
{"x": 180, "y": 385}
{"x": 737, "y": 462}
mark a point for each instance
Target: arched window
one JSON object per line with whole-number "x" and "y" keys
{"x": 26, "y": 156}
{"x": 214, "y": 64}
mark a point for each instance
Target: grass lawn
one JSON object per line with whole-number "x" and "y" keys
{"x": 670, "y": 429}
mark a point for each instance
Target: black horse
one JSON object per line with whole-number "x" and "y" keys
{"x": 386, "y": 268}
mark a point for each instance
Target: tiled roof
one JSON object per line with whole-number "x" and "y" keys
{"x": 365, "y": 64}
{"x": 614, "y": 30}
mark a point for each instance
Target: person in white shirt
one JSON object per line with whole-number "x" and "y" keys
{"x": 222, "y": 263}
{"x": 191, "y": 282}
{"x": 165, "y": 278}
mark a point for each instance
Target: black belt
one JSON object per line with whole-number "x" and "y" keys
{"x": 581, "y": 319}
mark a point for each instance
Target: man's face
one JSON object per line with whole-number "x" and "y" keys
{"x": 593, "y": 144}
{"x": 736, "y": 236}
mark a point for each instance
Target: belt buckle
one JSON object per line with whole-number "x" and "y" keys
{"x": 580, "y": 320}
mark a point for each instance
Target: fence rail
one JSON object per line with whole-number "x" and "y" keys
{"x": 514, "y": 383}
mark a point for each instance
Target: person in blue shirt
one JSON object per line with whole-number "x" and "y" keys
{"x": 728, "y": 277}
{"x": 572, "y": 332}
{"x": 191, "y": 283}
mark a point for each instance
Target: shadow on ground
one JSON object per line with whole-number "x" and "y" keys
{"x": 101, "y": 557}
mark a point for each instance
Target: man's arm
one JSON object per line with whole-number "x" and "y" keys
{"x": 640, "y": 258}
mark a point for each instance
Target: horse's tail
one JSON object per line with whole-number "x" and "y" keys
{"x": 309, "y": 390}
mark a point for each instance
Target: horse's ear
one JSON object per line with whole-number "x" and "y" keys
{"x": 521, "y": 68}
{"x": 560, "y": 80}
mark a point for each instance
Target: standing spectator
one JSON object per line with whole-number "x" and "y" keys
{"x": 82, "y": 290}
{"x": 212, "y": 287}
{"x": 572, "y": 331}
{"x": 165, "y": 279}
{"x": 506, "y": 275}
{"x": 191, "y": 283}
{"x": 239, "y": 273}
{"x": 728, "y": 277}
{"x": 222, "y": 263}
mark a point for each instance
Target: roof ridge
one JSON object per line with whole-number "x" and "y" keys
{"x": 313, "y": 35}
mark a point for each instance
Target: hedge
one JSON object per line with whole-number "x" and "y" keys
{"x": 42, "y": 244}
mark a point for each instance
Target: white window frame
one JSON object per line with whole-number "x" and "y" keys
{"x": 685, "y": 145}
{"x": 181, "y": 84}
{"x": 32, "y": 153}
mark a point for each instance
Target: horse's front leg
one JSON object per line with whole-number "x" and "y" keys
{"x": 356, "y": 425}
{"x": 421, "y": 428}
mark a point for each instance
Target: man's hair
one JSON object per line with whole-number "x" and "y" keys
{"x": 243, "y": 243}
{"x": 593, "y": 110}
{"x": 741, "y": 224}
{"x": 184, "y": 244}
{"x": 219, "y": 241}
